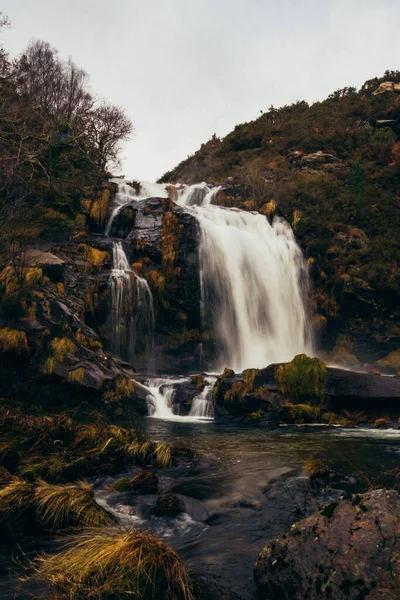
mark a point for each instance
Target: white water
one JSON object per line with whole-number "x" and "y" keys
{"x": 160, "y": 401}
{"x": 132, "y": 310}
{"x": 127, "y": 194}
{"x": 254, "y": 283}
{"x": 202, "y": 406}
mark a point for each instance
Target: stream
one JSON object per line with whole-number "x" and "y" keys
{"x": 247, "y": 488}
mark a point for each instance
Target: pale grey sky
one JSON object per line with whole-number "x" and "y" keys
{"x": 185, "y": 69}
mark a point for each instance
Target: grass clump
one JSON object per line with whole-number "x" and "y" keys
{"x": 59, "y": 348}
{"x": 240, "y": 388}
{"x": 15, "y": 497}
{"x": 302, "y": 379}
{"x": 392, "y": 361}
{"x": 117, "y": 563}
{"x": 315, "y": 467}
{"x": 75, "y": 377}
{"x": 97, "y": 258}
{"x": 60, "y": 506}
{"x": 199, "y": 381}
{"x": 216, "y": 393}
{"x": 100, "y": 207}
{"x": 162, "y": 455}
{"x": 381, "y": 423}
{"x": 171, "y": 230}
{"x": 13, "y": 340}
{"x": 301, "y": 413}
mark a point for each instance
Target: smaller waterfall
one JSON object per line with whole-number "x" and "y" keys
{"x": 132, "y": 310}
{"x": 202, "y": 406}
{"x": 161, "y": 405}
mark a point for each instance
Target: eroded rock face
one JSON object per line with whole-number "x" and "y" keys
{"x": 348, "y": 550}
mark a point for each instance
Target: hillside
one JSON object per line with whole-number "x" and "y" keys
{"x": 332, "y": 169}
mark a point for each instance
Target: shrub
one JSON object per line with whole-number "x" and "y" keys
{"x": 302, "y": 379}
{"x": 117, "y": 563}
{"x": 13, "y": 340}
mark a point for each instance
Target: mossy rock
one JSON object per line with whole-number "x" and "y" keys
{"x": 168, "y": 505}
{"x": 302, "y": 379}
{"x": 145, "y": 482}
{"x": 121, "y": 485}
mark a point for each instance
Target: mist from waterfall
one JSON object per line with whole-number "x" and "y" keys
{"x": 132, "y": 311}
{"x": 254, "y": 283}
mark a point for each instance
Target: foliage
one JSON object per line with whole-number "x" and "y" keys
{"x": 392, "y": 361}
{"x": 302, "y": 379}
{"x": 115, "y": 563}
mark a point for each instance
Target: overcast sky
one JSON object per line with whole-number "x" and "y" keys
{"x": 185, "y": 69}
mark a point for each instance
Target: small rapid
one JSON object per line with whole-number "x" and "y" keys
{"x": 160, "y": 398}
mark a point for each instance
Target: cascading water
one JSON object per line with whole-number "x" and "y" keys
{"x": 254, "y": 283}
{"x": 132, "y": 311}
{"x": 160, "y": 401}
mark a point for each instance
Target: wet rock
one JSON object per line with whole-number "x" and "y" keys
{"x": 145, "y": 482}
{"x": 349, "y": 549}
{"x": 168, "y": 505}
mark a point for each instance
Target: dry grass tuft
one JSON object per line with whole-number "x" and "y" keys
{"x": 117, "y": 563}
{"x": 59, "y": 348}
{"x": 76, "y": 376}
{"x": 13, "y": 340}
{"x": 97, "y": 258}
{"x": 315, "y": 467}
{"x": 60, "y": 506}
{"x": 302, "y": 379}
{"x": 162, "y": 455}
{"x": 15, "y": 497}
{"x": 392, "y": 361}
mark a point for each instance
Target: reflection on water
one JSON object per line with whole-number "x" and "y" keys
{"x": 250, "y": 484}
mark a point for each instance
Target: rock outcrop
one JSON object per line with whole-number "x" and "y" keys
{"x": 348, "y": 550}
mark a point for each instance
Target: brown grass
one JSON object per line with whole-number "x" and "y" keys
{"x": 13, "y": 340}
{"x": 116, "y": 563}
{"x": 60, "y": 506}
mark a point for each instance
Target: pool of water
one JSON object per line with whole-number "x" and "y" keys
{"x": 248, "y": 487}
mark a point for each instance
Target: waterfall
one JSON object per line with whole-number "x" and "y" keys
{"x": 254, "y": 283}
{"x": 202, "y": 406}
{"x": 160, "y": 401}
{"x": 132, "y": 311}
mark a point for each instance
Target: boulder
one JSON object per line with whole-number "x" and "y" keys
{"x": 145, "y": 482}
{"x": 364, "y": 391}
{"x": 52, "y": 265}
{"x": 168, "y": 505}
{"x": 350, "y": 549}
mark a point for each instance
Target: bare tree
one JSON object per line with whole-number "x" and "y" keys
{"x": 109, "y": 126}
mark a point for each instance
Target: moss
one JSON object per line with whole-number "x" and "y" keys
{"x": 171, "y": 230}
{"x": 121, "y": 485}
{"x": 302, "y": 379}
{"x": 88, "y": 342}
{"x": 216, "y": 393}
{"x": 97, "y": 258}
{"x": 13, "y": 340}
{"x": 145, "y": 482}
{"x": 199, "y": 381}
{"x": 168, "y": 505}
{"x": 240, "y": 389}
{"x": 76, "y": 376}
{"x": 100, "y": 207}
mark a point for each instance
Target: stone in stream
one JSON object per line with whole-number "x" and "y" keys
{"x": 349, "y": 549}
{"x": 168, "y": 505}
{"x": 145, "y": 482}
